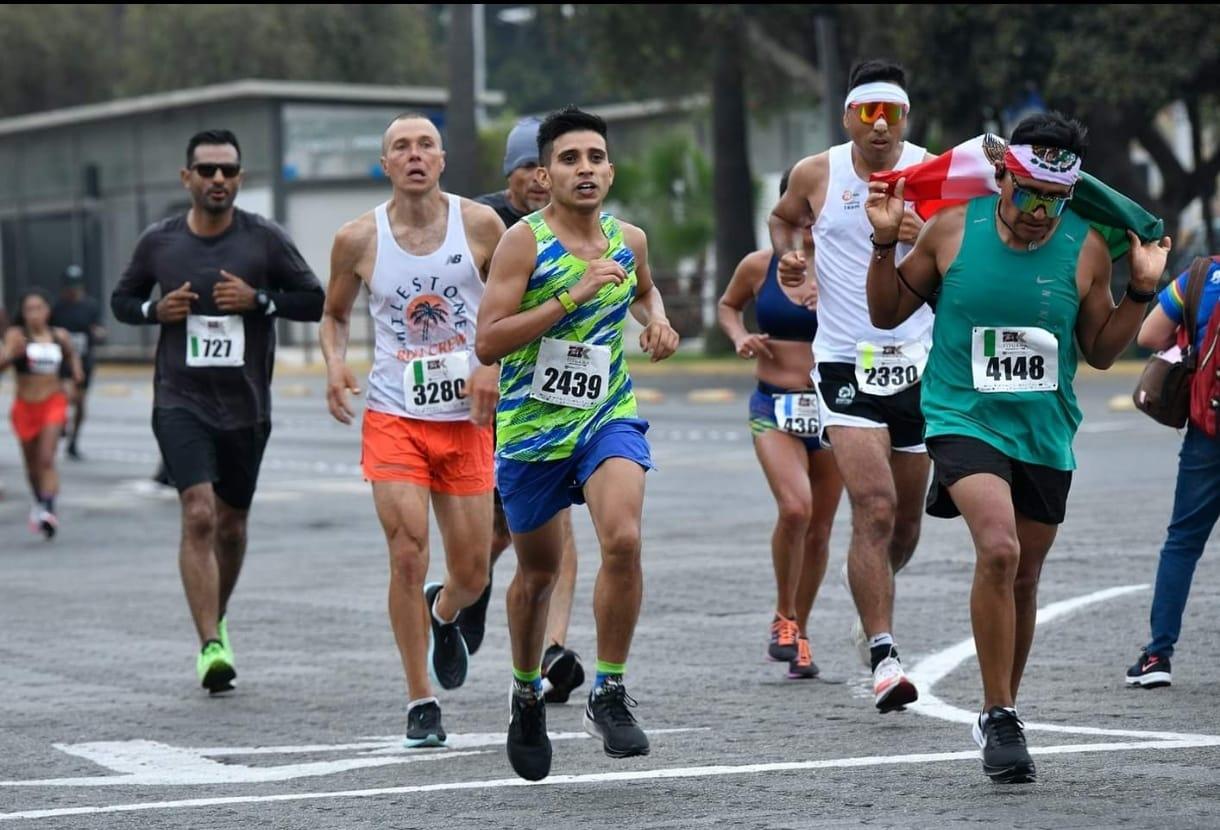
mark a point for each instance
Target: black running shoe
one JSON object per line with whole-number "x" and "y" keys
{"x": 424, "y": 726}
{"x": 1151, "y": 671}
{"x": 447, "y": 655}
{"x": 1001, "y": 736}
{"x": 561, "y": 673}
{"x": 529, "y": 748}
{"x": 472, "y": 620}
{"x": 608, "y": 717}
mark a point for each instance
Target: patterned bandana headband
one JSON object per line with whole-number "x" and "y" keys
{"x": 878, "y": 91}
{"x": 1045, "y": 164}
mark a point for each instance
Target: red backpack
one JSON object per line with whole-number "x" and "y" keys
{"x": 1205, "y": 385}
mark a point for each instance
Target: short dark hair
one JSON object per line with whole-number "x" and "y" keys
{"x": 210, "y": 137}
{"x": 1053, "y": 129}
{"x": 867, "y": 72}
{"x": 19, "y": 313}
{"x": 570, "y": 119}
{"x": 783, "y": 181}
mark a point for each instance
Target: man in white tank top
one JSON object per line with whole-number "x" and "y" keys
{"x": 867, "y": 379}
{"x": 427, "y": 434}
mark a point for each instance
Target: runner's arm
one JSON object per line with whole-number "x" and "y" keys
{"x": 793, "y": 216}
{"x": 10, "y": 347}
{"x": 1103, "y": 329}
{"x": 648, "y": 306}
{"x": 295, "y": 291}
{"x": 345, "y": 255}
{"x": 484, "y": 229}
{"x": 659, "y": 339}
{"x": 130, "y": 299}
{"x": 895, "y": 292}
{"x": 749, "y": 274}
{"x": 502, "y": 327}
{"x": 348, "y": 249}
{"x": 70, "y": 355}
{"x": 1158, "y": 331}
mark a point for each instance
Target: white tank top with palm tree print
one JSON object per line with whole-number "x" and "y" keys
{"x": 423, "y": 310}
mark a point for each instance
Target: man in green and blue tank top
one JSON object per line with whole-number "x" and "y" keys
{"x": 561, "y": 284}
{"x": 1019, "y": 284}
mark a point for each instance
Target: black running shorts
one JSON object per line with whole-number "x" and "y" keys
{"x": 843, "y": 404}
{"x": 195, "y": 452}
{"x": 1038, "y": 493}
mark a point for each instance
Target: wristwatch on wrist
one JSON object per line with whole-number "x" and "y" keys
{"x": 565, "y": 300}
{"x": 261, "y": 300}
{"x": 1140, "y": 296}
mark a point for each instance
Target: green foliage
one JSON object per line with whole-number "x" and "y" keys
{"x": 965, "y": 62}
{"x": 668, "y": 193}
{"x": 54, "y": 55}
{"x": 60, "y": 55}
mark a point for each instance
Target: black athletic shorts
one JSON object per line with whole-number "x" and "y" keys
{"x": 1038, "y": 493}
{"x": 196, "y": 452}
{"x": 843, "y": 404}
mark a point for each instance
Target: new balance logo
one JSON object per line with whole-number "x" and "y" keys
{"x": 454, "y": 259}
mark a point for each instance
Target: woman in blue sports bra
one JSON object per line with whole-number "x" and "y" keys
{"x": 784, "y": 425}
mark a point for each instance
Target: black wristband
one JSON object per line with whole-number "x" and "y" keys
{"x": 1140, "y": 296}
{"x": 882, "y": 246}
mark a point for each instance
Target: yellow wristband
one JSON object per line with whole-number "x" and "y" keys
{"x": 565, "y": 300}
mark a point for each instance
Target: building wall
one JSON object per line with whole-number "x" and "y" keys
{"x": 84, "y": 194}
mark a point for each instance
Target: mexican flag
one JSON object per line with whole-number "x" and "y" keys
{"x": 968, "y": 172}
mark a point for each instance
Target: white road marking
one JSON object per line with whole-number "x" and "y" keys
{"x": 600, "y": 778}
{"x": 151, "y": 763}
{"x": 927, "y": 673}
{"x": 931, "y": 670}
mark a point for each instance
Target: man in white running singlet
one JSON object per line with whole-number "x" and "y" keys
{"x": 423, "y": 256}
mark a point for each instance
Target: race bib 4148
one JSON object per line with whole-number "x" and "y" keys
{"x": 1014, "y": 359}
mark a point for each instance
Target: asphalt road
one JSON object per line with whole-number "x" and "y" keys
{"x": 102, "y": 724}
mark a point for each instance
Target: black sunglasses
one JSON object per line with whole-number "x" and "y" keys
{"x": 208, "y": 171}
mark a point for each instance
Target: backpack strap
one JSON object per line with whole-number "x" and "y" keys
{"x": 1194, "y": 293}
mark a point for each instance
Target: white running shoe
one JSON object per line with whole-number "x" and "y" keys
{"x": 47, "y": 523}
{"x": 891, "y": 688}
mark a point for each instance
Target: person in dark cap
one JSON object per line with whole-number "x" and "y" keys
{"x": 525, "y": 192}
{"x": 81, "y": 316}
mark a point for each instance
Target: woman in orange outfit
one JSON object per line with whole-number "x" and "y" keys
{"x": 38, "y": 354}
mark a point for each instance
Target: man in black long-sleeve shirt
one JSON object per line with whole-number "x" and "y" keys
{"x": 224, "y": 276}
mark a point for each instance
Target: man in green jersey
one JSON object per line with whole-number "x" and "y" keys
{"x": 562, "y": 281}
{"x": 1019, "y": 283}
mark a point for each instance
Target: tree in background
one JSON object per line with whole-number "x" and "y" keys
{"x": 668, "y": 192}
{"x": 61, "y": 55}
{"x": 734, "y": 52}
{"x": 1115, "y": 67}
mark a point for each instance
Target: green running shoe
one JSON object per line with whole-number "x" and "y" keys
{"x": 214, "y": 668}
{"x": 222, "y": 631}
